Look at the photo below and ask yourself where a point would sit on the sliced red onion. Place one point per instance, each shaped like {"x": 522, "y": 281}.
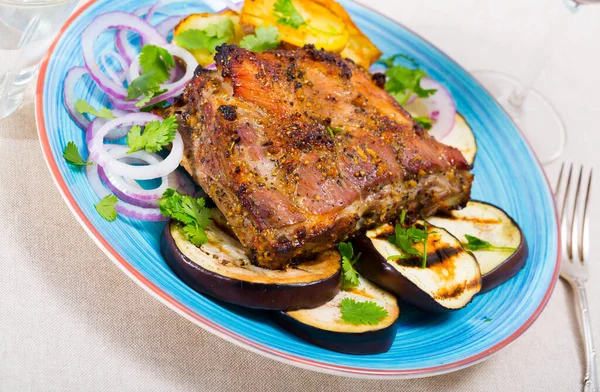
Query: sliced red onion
{"x": 165, "y": 27}
{"x": 98, "y": 122}
{"x": 116, "y": 76}
{"x": 99, "y": 154}
{"x": 73, "y": 75}
{"x": 135, "y": 194}
{"x": 173, "y": 88}
{"x": 441, "y": 107}
{"x": 118, "y": 20}
{"x": 125, "y": 48}
{"x": 123, "y": 208}
{"x": 211, "y": 67}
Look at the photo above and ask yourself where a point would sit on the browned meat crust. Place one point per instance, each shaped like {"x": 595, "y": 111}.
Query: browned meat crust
{"x": 258, "y": 139}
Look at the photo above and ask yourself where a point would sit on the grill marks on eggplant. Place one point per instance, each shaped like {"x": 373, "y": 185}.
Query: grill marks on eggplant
{"x": 274, "y": 169}
{"x": 450, "y": 281}
{"x": 491, "y": 224}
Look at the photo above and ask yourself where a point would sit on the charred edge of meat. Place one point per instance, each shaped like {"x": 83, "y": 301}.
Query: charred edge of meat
{"x": 328, "y": 57}
{"x": 379, "y": 79}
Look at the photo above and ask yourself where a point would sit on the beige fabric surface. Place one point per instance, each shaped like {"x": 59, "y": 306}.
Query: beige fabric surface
{"x": 72, "y": 321}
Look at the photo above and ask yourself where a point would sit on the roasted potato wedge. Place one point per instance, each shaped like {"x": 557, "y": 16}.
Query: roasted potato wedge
{"x": 322, "y": 26}
{"x": 359, "y": 48}
{"x": 203, "y": 20}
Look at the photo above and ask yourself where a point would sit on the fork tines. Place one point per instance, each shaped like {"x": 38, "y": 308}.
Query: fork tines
{"x": 574, "y": 235}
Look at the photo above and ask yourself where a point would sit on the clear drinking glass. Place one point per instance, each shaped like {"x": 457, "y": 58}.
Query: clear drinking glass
{"x": 533, "y": 113}
{"x": 27, "y": 28}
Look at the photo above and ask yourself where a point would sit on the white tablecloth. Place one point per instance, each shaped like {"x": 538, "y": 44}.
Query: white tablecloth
{"x": 71, "y": 321}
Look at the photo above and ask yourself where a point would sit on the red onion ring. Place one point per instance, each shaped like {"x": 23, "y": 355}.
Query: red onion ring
{"x": 116, "y": 76}
{"x": 99, "y": 154}
{"x": 441, "y": 107}
{"x": 73, "y": 75}
{"x": 123, "y": 208}
{"x": 98, "y": 122}
{"x": 135, "y": 194}
{"x": 165, "y": 27}
{"x": 103, "y": 22}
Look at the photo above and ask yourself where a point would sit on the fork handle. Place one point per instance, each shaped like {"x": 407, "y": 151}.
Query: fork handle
{"x": 590, "y": 382}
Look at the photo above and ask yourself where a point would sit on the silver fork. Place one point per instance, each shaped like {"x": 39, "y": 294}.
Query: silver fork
{"x": 573, "y": 268}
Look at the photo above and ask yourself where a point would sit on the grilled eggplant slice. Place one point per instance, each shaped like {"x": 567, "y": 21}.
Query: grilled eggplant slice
{"x": 221, "y": 269}
{"x": 324, "y": 326}
{"x": 449, "y": 281}
{"x": 491, "y": 224}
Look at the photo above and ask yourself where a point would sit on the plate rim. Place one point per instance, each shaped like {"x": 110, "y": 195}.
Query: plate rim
{"x": 223, "y": 332}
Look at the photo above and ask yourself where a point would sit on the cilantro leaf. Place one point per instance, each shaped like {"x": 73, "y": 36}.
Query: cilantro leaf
{"x": 423, "y": 121}
{"x": 287, "y": 14}
{"x": 223, "y": 29}
{"x": 350, "y": 276}
{"x": 212, "y": 36}
{"x": 156, "y": 135}
{"x": 83, "y": 107}
{"x": 72, "y": 156}
{"x": 107, "y": 207}
{"x": 403, "y": 82}
{"x": 357, "y": 313}
{"x": 473, "y": 243}
{"x": 389, "y": 62}
{"x": 264, "y": 38}
{"x": 156, "y": 59}
{"x": 156, "y": 63}
{"x": 190, "y": 211}
{"x": 405, "y": 239}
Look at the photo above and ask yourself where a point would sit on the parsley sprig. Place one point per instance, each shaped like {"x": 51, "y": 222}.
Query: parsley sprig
{"x": 156, "y": 63}
{"x": 350, "y": 276}
{"x": 264, "y": 38}
{"x": 473, "y": 243}
{"x": 423, "y": 121}
{"x": 107, "y": 207}
{"x": 287, "y": 14}
{"x": 156, "y": 135}
{"x": 367, "y": 312}
{"x": 403, "y": 82}
{"x": 208, "y": 38}
{"x": 83, "y": 107}
{"x": 190, "y": 211}
{"x": 406, "y": 238}
{"x": 72, "y": 156}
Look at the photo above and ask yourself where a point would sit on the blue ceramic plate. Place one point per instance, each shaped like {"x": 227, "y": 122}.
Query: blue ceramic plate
{"x": 506, "y": 174}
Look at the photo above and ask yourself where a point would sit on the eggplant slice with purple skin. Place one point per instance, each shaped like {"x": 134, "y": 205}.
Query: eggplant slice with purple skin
{"x": 449, "y": 281}
{"x": 491, "y": 224}
{"x": 324, "y": 326}
{"x": 221, "y": 269}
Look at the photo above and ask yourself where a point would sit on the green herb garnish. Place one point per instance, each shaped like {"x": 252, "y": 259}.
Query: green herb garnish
{"x": 107, "y": 207}
{"x": 405, "y": 239}
{"x": 333, "y": 130}
{"x": 425, "y": 122}
{"x": 83, "y": 107}
{"x": 350, "y": 276}
{"x": 474, "y": 243}
{"x": 190, "y": 211}
{"x": 156, "y": 63}
{"x": 156, "y": 135}
{"x": 287, "y": 14}
{"x": 72, "y": 156}
{"x": 357, "y": 313}
{"x": 264, "y": 38}
{"x": 403, "y": 82}
{"x": 209, "y": 38}
{"x": 389, "y": 62}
